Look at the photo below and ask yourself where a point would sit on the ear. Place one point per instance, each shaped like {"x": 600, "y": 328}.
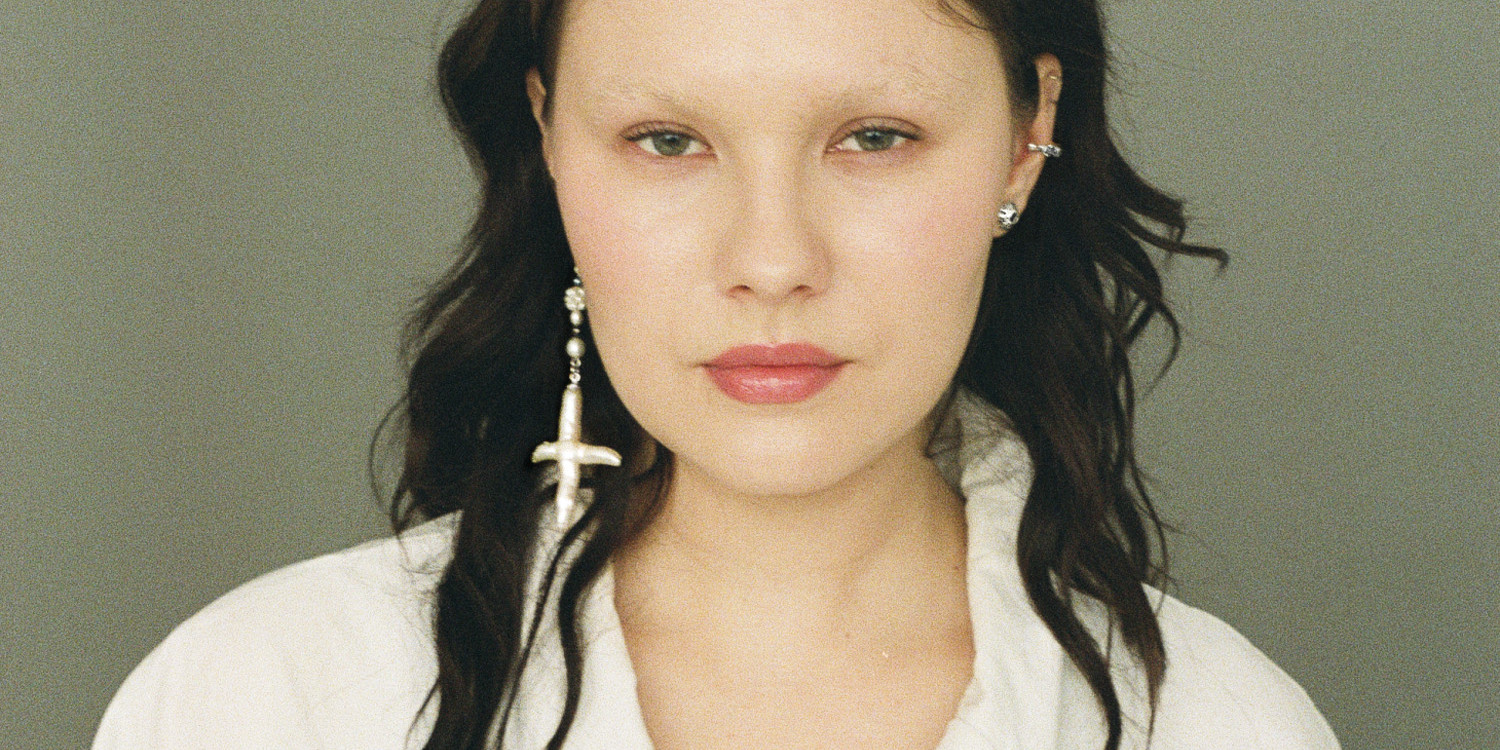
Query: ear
{"x": 1026, "y": 165}
{"x": 537, "y": 93}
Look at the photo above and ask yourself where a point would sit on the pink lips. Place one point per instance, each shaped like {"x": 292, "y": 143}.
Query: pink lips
{"x": 773, "y": 374}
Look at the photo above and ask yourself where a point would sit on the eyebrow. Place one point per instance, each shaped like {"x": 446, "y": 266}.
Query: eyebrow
{"x": 914, "y": 83}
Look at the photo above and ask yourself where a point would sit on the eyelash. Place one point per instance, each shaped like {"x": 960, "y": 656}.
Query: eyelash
{"x": 905, "y": 136}
{"x": 652, "y": 131}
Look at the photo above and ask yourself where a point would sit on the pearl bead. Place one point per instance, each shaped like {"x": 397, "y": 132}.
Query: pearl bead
{"x": 575, "y": 347}
{"x": 574, "y": 298}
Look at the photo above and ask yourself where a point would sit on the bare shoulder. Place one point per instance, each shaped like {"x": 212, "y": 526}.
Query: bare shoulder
{"x": 1223, "y": 692}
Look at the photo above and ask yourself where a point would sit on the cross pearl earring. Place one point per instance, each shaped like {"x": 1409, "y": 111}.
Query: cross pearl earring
{"x": 569, "y": 450}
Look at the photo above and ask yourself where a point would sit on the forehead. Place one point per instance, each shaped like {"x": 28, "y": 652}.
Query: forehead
{"x": 692, "y": 51}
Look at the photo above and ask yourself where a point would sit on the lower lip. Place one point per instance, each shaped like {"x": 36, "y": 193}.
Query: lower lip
{"x": 760, "y": 384}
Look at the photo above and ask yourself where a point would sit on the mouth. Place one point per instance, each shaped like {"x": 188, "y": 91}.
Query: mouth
{"x": 773, "y": 374}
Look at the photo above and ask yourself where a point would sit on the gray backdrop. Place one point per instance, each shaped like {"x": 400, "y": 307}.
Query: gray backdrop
{"x": 213, "y": 214}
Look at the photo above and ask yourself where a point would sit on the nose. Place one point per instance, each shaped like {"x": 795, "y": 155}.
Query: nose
{"x": 774, "y": 250}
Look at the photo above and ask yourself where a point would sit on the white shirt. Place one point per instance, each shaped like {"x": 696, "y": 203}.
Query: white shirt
{"x": 336, "y": 652}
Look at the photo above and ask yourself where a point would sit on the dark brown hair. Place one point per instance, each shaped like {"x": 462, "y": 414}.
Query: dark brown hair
{"x": 1068, "y": 292}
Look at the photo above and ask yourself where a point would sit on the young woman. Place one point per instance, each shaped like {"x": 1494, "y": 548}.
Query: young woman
{"x": 837, "y": 298}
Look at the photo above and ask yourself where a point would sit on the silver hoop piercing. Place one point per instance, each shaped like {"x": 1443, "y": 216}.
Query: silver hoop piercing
{"x": 1051, "y": 150}
{"x": 569, "y": 450}
{"x": 1009, "y": 216}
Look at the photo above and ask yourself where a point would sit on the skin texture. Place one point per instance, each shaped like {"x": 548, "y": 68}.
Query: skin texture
{"x": 734, "y": 172}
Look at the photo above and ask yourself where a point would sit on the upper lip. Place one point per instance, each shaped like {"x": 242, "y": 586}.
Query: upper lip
{"x": 775, "y": 355}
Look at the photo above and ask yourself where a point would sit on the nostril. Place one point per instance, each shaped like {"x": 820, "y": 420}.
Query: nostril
{"x": 741, "y": 292}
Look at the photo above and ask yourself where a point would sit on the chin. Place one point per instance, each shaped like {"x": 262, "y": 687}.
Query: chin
{"x": 773, "y": 479}
{"x": 781, "y": 465}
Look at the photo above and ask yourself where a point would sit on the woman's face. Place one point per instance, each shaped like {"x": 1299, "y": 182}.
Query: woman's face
{"x": 738, "y": 175}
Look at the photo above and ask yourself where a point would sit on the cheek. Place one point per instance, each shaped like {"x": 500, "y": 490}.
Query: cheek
{"x": 632, "y": 261}
{"x": 625, "y": 233}
{"x": 925, "y": 253}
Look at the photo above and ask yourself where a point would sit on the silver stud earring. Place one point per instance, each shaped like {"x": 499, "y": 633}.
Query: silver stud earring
{"x": 569, "y": 450}
{"x": 1050, "y": 150}
{"x": 1009, "y": 216}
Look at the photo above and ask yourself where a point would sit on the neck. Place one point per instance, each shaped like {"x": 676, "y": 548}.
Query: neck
{"x": 897, "y": 521}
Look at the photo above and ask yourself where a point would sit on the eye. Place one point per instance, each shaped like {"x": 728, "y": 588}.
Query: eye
{"x": 874, "y": 139}
{"x": 667, "y": 143}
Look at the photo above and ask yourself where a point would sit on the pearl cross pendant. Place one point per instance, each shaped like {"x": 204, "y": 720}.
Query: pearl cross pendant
{"x": 570, "y": 453}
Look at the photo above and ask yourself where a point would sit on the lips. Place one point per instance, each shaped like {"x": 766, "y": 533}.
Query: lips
{"x": 773, "y": 374}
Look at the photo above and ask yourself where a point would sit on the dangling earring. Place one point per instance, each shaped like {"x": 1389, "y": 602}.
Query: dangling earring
{"x": 569, "y": 451}
{"x": 1009, "y": 216}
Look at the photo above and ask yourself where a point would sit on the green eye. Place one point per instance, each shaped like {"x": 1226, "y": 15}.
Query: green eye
{"x": 666, "y": 143}
{"x": 876, "y": 140}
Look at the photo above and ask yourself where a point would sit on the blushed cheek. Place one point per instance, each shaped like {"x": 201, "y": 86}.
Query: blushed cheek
{"x": 938, "y": 240}
{"x": 619, "y": 253}
{"x": 621, "y": 224}
{"x": 633, "y": 275}
{"x": 934, "y": 280}
{"x": 598, "y": 225}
